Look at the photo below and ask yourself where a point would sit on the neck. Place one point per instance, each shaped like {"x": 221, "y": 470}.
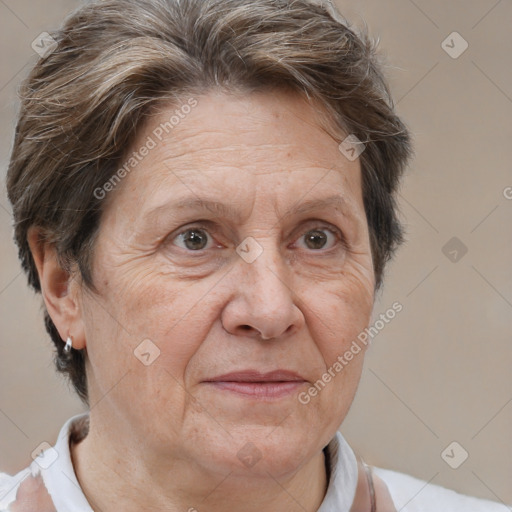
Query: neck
{"x": 115, "y": 473}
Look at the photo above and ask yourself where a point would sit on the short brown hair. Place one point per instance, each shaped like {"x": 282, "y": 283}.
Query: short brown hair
{"x": 115, "y": 60}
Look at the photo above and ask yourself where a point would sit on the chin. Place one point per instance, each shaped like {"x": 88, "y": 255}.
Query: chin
{"x": 257, "y": 451}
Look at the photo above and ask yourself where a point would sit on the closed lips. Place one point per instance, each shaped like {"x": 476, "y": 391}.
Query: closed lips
{"x": 255, "y": 385}
{"x": 258, "y": 377}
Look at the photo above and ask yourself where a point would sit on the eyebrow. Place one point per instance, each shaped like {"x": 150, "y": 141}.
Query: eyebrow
{"x": 228, "y": 211}
{"x": 336, "y": 202}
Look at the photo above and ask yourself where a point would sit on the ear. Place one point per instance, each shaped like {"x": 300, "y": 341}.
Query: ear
{"x": 59, "y": 288}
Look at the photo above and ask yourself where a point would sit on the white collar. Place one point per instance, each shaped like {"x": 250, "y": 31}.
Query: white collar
{"x": 341, "y": 490}
{"x": 60, "y": 478}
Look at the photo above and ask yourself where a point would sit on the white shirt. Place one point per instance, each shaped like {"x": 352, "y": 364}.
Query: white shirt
{"x": 409, "y": 494}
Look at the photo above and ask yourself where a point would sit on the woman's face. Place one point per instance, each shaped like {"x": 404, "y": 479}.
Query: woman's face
{"x": 237, "y": 245}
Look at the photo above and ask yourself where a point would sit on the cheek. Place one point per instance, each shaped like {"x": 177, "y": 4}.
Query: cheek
{"x": 341, "y": 314}
{"x": 339, "y": 320}
{"x": 348, "y": 300}
{"x": 344, "y": 316}
{"x": 340, "y": 327}
{"x": 141, "y": 304}
{"x": 145, "y": 316}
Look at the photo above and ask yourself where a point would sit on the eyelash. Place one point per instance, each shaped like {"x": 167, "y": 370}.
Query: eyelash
{"x": 340, "y": 238}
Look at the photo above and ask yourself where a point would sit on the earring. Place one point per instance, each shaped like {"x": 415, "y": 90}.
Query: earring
{"x": 68, "y": 346}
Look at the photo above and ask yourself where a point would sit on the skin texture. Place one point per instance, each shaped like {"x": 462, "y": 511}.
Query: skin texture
{"x": 160, "y": 436}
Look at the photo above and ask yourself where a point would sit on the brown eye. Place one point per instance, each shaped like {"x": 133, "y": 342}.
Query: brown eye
{"x": 193, "y": 239}
{"x": 316, "y": 239}
{"x": 320, "y": 238}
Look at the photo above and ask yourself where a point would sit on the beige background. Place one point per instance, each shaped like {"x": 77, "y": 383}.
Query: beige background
{"x": 440, "y": 371}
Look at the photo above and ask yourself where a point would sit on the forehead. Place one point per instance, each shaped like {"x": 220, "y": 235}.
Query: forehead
{"x": 236, "y": 146}
{"x": 281, "y": 123}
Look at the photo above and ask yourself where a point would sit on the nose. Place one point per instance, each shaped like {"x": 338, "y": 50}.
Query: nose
{"x": 263, "y": 303}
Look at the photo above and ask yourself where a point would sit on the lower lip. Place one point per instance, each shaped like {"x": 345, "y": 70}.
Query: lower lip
{"x": 261, "y": 390}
